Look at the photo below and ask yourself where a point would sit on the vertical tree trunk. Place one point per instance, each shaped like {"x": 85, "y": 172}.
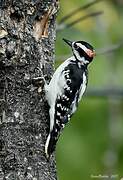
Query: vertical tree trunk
{"x": 27, "y": 34}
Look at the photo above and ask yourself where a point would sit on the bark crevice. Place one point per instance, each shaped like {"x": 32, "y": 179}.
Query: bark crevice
{"x": 23, "y": 108}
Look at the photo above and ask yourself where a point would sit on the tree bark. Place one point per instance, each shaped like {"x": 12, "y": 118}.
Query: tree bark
{"x": 27, "y": 35}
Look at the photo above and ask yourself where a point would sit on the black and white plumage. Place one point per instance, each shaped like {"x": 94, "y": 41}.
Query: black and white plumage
{"x": 66, "y": 89}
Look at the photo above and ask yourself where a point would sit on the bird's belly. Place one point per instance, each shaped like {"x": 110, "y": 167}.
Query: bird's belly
{"x": 55, "y": 89}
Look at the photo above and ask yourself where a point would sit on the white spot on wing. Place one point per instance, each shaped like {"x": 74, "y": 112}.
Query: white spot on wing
{"x": 68, "y": 88}
{"x": 57, "y": 121}
{"x": 58, "y": 105}
{"x": 58, "y": 114}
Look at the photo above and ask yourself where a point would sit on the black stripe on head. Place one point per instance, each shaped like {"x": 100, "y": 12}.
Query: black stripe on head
{"x": 87, "y": 45}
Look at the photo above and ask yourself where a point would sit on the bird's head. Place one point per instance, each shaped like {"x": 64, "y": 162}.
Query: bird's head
{"x": 82, "y": 51}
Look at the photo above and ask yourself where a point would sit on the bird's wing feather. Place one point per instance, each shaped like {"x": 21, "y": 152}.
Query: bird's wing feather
{"x": 73, "y": 90}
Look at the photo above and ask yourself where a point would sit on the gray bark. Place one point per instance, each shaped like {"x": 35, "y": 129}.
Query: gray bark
{"x": 27, "y": 35}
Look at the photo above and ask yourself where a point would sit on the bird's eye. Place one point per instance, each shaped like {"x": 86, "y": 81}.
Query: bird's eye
{"x": 75, "y": 46}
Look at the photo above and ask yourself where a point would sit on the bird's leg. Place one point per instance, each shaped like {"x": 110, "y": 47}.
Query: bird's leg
{"x": 40, "y": 81}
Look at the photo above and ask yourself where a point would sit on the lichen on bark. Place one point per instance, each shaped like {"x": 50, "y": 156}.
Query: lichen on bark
{"x": 27, "y": 36}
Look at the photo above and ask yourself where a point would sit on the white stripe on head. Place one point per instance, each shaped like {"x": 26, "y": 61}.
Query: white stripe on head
{"x": 82, "y": 46}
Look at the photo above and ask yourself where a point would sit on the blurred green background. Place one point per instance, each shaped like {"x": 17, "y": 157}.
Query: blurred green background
{"x": 91, "y": 145}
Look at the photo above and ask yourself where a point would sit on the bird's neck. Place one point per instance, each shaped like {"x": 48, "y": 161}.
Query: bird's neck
{"x": 81, "y": 63}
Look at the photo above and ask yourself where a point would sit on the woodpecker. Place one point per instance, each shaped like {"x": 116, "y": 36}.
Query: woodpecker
{"x": 65, "y": 90}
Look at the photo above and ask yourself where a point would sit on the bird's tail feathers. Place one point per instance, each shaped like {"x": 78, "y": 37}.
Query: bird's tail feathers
{"x": 46, "y": 146}
{"x": 50, "y": 144}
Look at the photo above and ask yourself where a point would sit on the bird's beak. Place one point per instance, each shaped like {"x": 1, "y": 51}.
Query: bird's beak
{"x": 90, "y": 53}
{"x": 68, "y": 42}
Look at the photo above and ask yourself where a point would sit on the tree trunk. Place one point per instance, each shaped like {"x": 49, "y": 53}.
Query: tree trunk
{"x": 27, "y": 34}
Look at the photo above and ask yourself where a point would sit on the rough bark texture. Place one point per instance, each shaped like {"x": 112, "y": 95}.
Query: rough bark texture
{"x": 27, "y": 34}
